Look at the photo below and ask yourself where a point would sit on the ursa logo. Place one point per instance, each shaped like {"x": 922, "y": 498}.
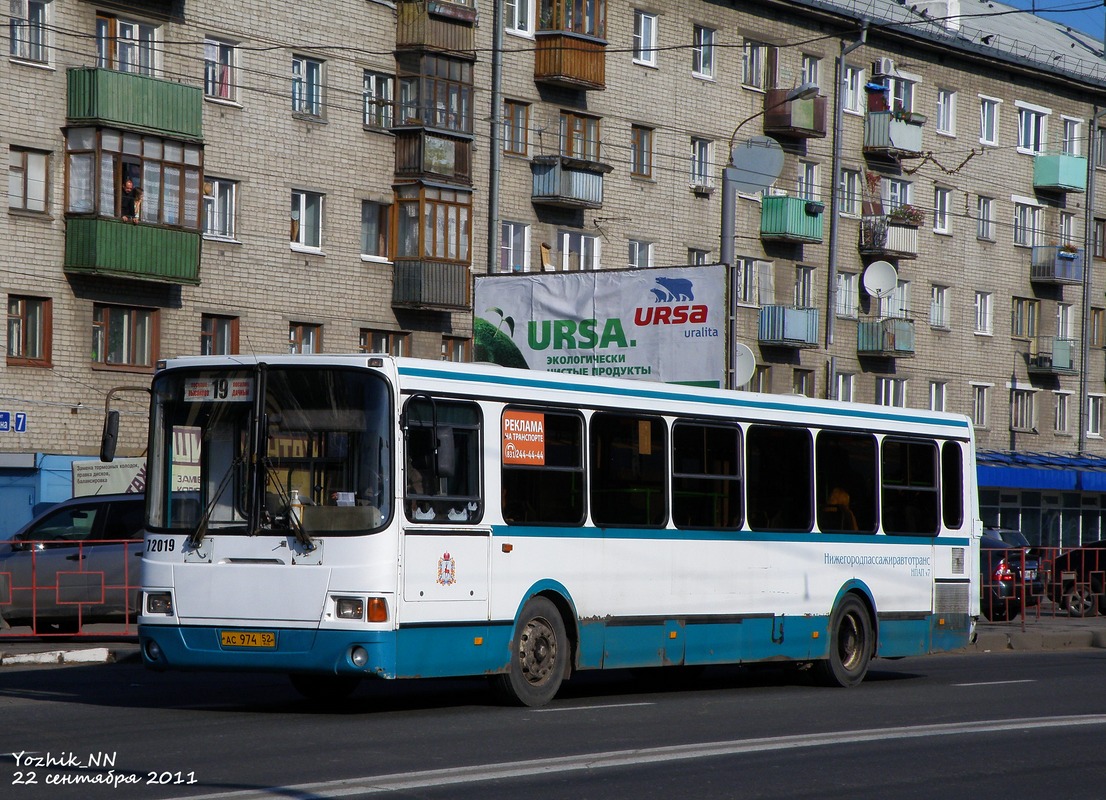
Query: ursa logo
{"x": 677, "y": 296}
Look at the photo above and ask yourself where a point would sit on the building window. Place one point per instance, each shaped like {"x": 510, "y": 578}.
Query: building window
{"x": 579, "y": 251}
{"x": 514, "y": 247}
{"x": 983, "y": 313}
{"x": 761, "y": 381}
{"x": 1073, "y": 136}
{"x": 434, "y": 223}
{"x": 946, "y": 112}
{"x": 125, "y": 45}
{"x": 28, "y": 26}
{"x": 811, "y": 66}
{"x": 939, "y": 316}
{"x": 641, "y": 254}
{"x": 804, "y": 287}
{"x": 1063, "y": 320}
{"x": 1098, "y": 327}
{"x": 754, "y": 56}
{"x": 219, "y": 202}
{"x": 1063, "y": 413}
{"x": 518, "y": 17}
{"x": 307, "y": 86}
{"x": 1094, "y": 415}
{"x": 752, "y": 282}
{"x": 435, "y": 91}
{"x": 848, "y": 286}
{"x": 937, "y": 394}
{"x": 1068, "y": 235}
{"x": 902, "y": 94}
{"x": 30, "y": 328}
{"x": 1027, "y": 224}
{"x": 897, "y": 303}
{"x": 124, "y": 336}
{"x": 845, "y": 383}
{"x": 891, "y": 392}
{"x": 852, "y": 99}
{"x": 802, "y": 382}
{"x": 979, "y": 405}
{"x": 166, "y": 173}
{"x": 27, "y": 171}
{"x": 1031, "y": 130}
{"x": 702, "y": 174}
{"x": 1023, "y": 317}
{"x": 516, "y": 127}
{"x": 1022, "y": 409}
{"x": 698, "y": 257}
{"x": 304, "y": 338}
{"x": 806, "y": 186}
{"x": 850, "y": 192}
{"x": 985, "y": 227}
{"x": 374, "y": 230}
{"x": 942, "y": 210}
{"x": 307, "y": 220}
{"x": 220, "y": 80}
{"x": 645, "y": 38}
{"x": 641, "y": 151}
{"x": 456, "y": 349}
{"x": 1099, "y": 243}
{"x": 589, "y": 19}
{"x": 394, "y": 343}
{"x": 702, "y": 52}
{"x": 579, "y": 136}
{"x": 1100, "y": 148}
{"x": 988, "y": 120}
{"x": 376, "y": 99}
{"x": 218, "y": 335}
{"x": 896, "y": 193}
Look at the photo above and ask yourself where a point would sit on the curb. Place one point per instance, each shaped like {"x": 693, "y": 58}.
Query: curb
{"x": 89, "y": 655}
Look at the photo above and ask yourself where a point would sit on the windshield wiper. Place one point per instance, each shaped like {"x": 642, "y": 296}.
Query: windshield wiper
{"x": 197, "y": 536}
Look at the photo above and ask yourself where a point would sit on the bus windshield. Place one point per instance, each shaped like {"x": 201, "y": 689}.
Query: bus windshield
{"x": 285, "y": 449}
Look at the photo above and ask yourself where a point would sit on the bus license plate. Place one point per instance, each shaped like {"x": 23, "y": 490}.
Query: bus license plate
{"x": 247, "y": 638}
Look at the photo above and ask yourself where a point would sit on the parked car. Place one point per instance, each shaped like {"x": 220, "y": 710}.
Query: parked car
{"x": 1079, "y": 579}
{"x": 75, "y": 563}
{"x": 1011, "y": 574}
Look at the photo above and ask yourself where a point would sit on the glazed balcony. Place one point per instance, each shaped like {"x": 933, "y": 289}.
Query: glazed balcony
{"x": 100, "y": 246}
{"x": 420, "y": 153}
{"x": 133, "y": 102}
{"x": 791, "y": 219}
{"x": 884, "y": 236}
{"x": 1050, "y": 355}
{"x": 893, "y": 134}
{"x": 796, "y": 119}
{"x": 436, "y": 25}
{"x": 431, "y": 285}
{"x": 566, "y": 182}
{"x": 1057, "y": 265}
{"x": 1060, "y": 172}
{"x": 571, "y": 60}
{"x": 889, "y": 337}
{"x": 787, "y": 326}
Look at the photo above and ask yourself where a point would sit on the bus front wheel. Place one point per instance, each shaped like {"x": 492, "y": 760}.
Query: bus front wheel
{"x": 851, "y": 645}
{"x": 539, "y": 656}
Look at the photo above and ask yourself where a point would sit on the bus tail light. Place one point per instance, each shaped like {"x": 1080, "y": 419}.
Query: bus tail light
{"x": 378, "y": 610}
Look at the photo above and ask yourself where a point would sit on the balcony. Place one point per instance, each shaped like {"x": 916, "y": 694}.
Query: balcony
{"x": 884, "y": 236}
{"x": 1049, "y": 355}
{"x": 787, "y": 326}
{"x": 570, "y": 60}
{"x": 1056, "y": 265}
{"x": 98, "y": 246}
{"x": 422, "y": 154}
{"x": 891, "y": 337}
{"x": 436, "y": 25}
{"x": 791, "y": 219}
{"x": 1060, "y": 172}
{"x": 797, "y": 119}
{"x": 134, "y": 102}
{"x": 566, "y": 182}
{"x": 431, "y": 285}
{"x": 893, "y": 134}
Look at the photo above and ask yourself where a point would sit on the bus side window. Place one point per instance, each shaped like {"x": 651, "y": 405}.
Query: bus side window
{"x": 952, "y": 485}
{"x": 910, "y": 497}
{"x": 846, "y": 481}
{"x": 779, "y": 478}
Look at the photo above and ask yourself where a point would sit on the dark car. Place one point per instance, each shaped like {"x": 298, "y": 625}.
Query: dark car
{"x": 1011, "y": 575}
{"x": 1079, "y": 579}
{"x": 77, "y": 562}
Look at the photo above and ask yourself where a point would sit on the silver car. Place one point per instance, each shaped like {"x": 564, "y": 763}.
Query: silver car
{"x": 77, "y": 562}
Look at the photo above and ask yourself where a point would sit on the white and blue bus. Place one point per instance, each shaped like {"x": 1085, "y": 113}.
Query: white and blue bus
{"x": 347, "y": 517}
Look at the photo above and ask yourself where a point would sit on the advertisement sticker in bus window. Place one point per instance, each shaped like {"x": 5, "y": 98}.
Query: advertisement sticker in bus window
{"x": 186, "y": 459}
{"x": 523, "y": 438}
{"x": 218, "y": 390}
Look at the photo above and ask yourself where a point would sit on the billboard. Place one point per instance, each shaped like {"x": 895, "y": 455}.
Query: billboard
{"x": 665, "y": 324}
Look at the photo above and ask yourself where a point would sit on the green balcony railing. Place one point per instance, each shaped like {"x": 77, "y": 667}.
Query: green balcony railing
{"x": 791, "y": 219}
{"x": 885, "y": 337}
{"x": 97, "y": 246}
{"x": 134, "y": 102}
{"x": 1060, "y": 172}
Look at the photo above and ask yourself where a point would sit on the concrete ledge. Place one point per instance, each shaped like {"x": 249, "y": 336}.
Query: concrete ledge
{"x": 91, "y": 655}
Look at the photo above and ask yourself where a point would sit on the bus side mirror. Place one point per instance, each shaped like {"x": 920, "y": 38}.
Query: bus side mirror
{"x": 110, "y": 436}
{"x": 445, "y": 455}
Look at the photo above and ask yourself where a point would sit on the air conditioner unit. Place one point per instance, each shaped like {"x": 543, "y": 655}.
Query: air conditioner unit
{"x": 883, "y": 66}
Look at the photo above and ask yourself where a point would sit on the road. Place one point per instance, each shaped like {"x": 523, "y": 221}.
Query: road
{"x": 1016, "y": 724}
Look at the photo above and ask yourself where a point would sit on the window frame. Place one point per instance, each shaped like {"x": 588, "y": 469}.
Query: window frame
{"x": 702, "y": 52}
{"x": 220, "y": 70}
{"x": 940, "y": 316}
{"x": 579, "y": 135}
{"x": 518, "y": 17}
{"x": 140, "y": 323}
{"x": 381, "y": 250}
{"x": 40, "y": 330}
{"x": 984, "y": 313}
{"x": 514, "y": 246}
{"x": 1032, "y": 128}
{"x": 1023, "y": 410}
{"x": 419, "y": 207}
{"x": 376, "y": 340}
{"x": 301, "y": 334}
{"x": 645, "y": 38}
{"x": 700, "y": 163}
{"x": 377, "y": 99}
{"x": 25, "y": 173}
{"x": 308, "y": 78}
{"x": 300, "y": 231}
{"x": 989, "y": 119}
{"x": 218, "y": 334}
{"x": 516, "y": 127}
{"x": 641, "y": 151}
{"x": 110, "y": 40}
{"x": 29, "y": 37}
{"x": 586, "y": 247}
{"x": 942, "y": 210}
{"x": 985, "y": 218}
{"x": 945, "y": 124}
{"x": 219, "y": 203}
{"x": 639, "y": 251}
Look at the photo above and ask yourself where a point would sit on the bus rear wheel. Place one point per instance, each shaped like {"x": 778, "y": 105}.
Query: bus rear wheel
{"x": 539, "y": 656}
{"x": 851, "y": 645}
{"x": 324, "y": 688}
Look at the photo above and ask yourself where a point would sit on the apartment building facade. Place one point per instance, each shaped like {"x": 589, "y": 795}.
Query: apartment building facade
{"x": 325, "y": 181}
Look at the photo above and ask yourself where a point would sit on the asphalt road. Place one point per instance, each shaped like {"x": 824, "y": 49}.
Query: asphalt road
{"x": 1012, "y": 724}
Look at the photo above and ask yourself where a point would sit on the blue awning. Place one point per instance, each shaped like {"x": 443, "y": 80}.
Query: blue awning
{"x": 1028, "y": 470}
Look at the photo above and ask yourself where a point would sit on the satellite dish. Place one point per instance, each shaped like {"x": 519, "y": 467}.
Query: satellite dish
{"x": 757, "y": 162}
{"x": 880, "y": 279}
{"x": 744, "y": 364}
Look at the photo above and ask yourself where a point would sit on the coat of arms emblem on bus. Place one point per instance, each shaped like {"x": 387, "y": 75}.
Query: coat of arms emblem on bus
{"x": 447, "y": 570}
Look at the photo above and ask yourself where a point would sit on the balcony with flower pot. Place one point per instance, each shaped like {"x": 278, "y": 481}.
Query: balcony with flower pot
{"x": 893, "y": 235}
{"x": 1056, "y": 264}
{"x": 791, "y": 219}
{"x": 893, "y": 133}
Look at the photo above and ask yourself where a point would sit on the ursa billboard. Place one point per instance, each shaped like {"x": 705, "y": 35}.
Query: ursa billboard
{"x": 664, "y": 324}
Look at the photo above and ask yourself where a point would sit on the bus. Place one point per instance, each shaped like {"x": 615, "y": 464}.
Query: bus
{"x": 343, "y": 517}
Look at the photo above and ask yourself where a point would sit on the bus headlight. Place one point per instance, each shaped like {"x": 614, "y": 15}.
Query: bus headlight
{"x": 159, "y": 603}
{"x": 349, "y": 607}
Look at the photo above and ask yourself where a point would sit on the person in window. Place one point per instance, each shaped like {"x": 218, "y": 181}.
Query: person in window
{"x": 838, "y": 505}
{"x": 130, "y": 205}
